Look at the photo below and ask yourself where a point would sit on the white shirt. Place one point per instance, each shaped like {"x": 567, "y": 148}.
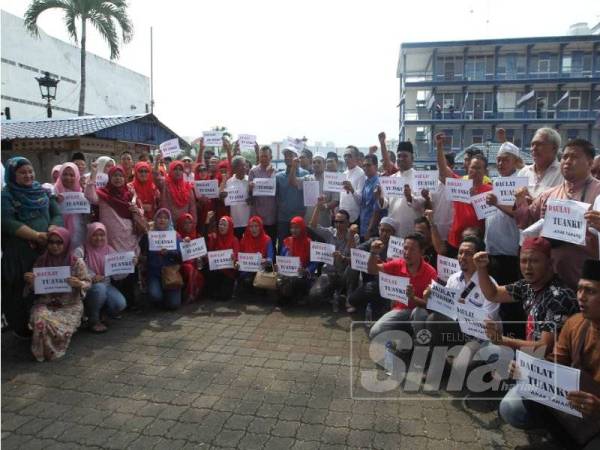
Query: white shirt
{"x": 351, "y": 202}
{"x": 189, "y": 177}
{"x": 240, "y": 212}
{"x": 475, "y": 297}
{"x": 443, "y": 212}
{"x": 400, "y": 210}
{"x": 552, "y": 177}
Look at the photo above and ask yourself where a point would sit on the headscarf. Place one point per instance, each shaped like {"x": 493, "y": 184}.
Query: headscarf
{"x": 179, "y": 189}
{"x": 223, "y": 165}
{"x": 94, "y": 256}
{"x": 65, "y": 258}
{"x": 165, "y": 210}
{"x": 226, "y": 241}
{"x": 538, "y": 244}
{"x": 30, "y": 199}
{"x": 59, "y": 188}
{"x": 119, "y": 198}
{"x": 144, "y": 191}
{"x": 299, "y": 246}
{"x": 102, "y": 161}
{"x": 56, "y": 169}
{"x": 251, "y": 244}
{"x": 180, "y": 223}
{"x": 198, "y": 174}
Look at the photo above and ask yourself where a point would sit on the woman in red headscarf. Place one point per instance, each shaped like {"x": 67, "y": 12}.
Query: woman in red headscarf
{"x": 255, "y": 240}
{"x": 146, "y": 191}
{"x": 190, "y": 270}
{"x": 222, "y": 280}
{"x": 176, "y": 194}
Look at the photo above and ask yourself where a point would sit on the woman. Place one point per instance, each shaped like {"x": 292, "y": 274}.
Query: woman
{"x": 68, "y": 181}
{"x": 193, "y": 280}
{"x": 105, "y": 163}
{"x": 28, "y": 213}
{"x": 222, "y": 281}
{"x": 176, "y": 194}
{"x": 102, "y": 295}
{"x": 54, "y": 174}
{"x": 203, "y": 203}
{"x": 143, "y": 184}
{"x": 255, "y": 240}
{"x": 55, "y": 317}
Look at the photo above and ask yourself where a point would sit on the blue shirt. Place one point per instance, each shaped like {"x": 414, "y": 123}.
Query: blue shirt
{"x": 290, "y": 199}
{"x": 368, "y": 204}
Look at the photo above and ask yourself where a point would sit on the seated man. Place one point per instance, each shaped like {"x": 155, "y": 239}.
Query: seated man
{"x": 578, "y": 346}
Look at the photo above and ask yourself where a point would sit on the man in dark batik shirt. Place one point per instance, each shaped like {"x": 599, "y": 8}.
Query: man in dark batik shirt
{"x": 546, "y": 300}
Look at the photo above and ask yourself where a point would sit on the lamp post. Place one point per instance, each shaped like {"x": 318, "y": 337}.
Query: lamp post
{"x": 48, "y": 90}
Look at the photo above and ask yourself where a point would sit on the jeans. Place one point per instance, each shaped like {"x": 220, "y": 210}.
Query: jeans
{"x": 518, "y": 412}
{"x": 168, "y": 298}
{"x": 387, "y": 321}
{"x": 103, "y": 295}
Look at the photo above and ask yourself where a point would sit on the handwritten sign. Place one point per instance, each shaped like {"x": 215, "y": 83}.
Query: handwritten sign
{"x": 249, "y": 262}
{"x": 395, "y": 247}
{"x": 120, "y": 263}
{"x": 392, "y": 186}
{"x": 359, "y": 260}
{"x": 193, "y": 249}
{"x": 213, "y": 138}
{"x": 482, "y": 209}
{"x": 564, "y": 221}
{"x": 311, "y": 192}
{"x": 207, "y": 188}
{"x": 459, "y": 189}
{"x": 443, "y": 300}
{"x": 51, "y": 280}
{"x": 546, "y": 382}
{"x": 505, "y": 188}
{"x": 170, "y": 148}
{"x": 393, "y": 287}
{"x": 236, "y": 193}
{"x": 446, "y": 267}
{"x": 321, "y": 252}
{"x": 333, "y": 181}
{"x": 264, "y": 187}
{"x": 425, "y": 179}
{"x": 288, "y": 266}
{"x": 158, "y": 240}
{"x": 471, "y": 320}
{"x": 220, "y": 259}
{"x": 101, "y": 180}
{"x": 246, "y": 141}
{"x": 74, "y": 203}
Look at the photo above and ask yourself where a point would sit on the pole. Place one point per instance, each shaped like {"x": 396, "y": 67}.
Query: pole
{"x": 151, "y": 73}
{"x": 49, "y": 109}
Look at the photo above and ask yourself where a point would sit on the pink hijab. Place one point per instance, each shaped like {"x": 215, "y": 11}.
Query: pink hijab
{"x": 65, "y": 258}
{"x": 94, "y": 256}
{"x": 59, "y": 188}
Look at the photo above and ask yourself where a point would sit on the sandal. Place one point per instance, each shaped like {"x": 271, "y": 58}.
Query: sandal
{"x": 98, "y": 328}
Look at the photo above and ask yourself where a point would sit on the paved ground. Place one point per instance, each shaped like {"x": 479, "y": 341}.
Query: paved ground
{"x": 226, "y": 376}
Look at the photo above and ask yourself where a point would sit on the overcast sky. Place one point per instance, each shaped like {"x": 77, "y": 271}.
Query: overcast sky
{"x": 325, "y": 69}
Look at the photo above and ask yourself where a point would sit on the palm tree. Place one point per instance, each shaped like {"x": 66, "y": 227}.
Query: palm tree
{"x": 102, "y": 14}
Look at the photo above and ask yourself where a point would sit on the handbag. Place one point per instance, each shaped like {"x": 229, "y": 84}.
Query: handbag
{"x": 265, "y": 280}
{"x": 171, "y": 277}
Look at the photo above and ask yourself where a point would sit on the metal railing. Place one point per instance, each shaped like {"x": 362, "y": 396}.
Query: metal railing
{"x": 424, "y": 114}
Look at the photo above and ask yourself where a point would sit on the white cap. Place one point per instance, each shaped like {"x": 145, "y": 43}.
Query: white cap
{"x": 509, "y": 147}
{"x": 289, "y": 148}
{"x": 320, "y": 155}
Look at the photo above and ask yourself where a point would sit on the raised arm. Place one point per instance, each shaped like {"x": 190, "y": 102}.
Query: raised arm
{"x": 200, "y": 157}
{"x": 227, "y": 146}
{"x": 496, "y": 294}
{"x": 444, "y": 170}
{"x": 439, "y": 244}
{"x": 385, "y": 156}
{"x": 292, "y": 178}
{"x": 374, "y": 265}
{"x": 90, "y": 187}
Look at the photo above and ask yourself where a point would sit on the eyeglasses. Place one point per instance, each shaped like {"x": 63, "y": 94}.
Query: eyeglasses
{"x": 348, "y": 155}
{"x": 339, "y": 221}
{"x": 143, "y": 171}
{"x": 55, "y": 242}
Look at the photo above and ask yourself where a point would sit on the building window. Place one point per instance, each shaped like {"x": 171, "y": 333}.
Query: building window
{"x": 574, "y": 100}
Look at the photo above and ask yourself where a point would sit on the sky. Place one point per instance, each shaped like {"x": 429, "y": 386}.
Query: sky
{"x": 324, "y": 69}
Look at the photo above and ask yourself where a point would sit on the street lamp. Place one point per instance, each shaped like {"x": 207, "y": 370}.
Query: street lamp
{"x": 48, "y": 90}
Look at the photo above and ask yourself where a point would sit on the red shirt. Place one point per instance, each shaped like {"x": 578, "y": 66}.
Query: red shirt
{"x": 419, "y": 281}
{"x": 465, "y": 217}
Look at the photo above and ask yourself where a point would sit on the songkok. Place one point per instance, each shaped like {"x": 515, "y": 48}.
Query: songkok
{"x": 405, "y": 146}
{"x": 539, "y": 244}
{"x": 509, "y": 147}
{"x": 591, "y": 270}
{"x": 389, "y": 221}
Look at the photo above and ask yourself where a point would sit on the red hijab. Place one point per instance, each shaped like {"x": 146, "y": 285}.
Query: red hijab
{"x": 223, "y": 165}
{"x": 180, "y": 223}
{"x": 299, "y": 246}
{"x": 251, "y": 244}
{"x": 145, "y": 191}
{"x": 119, "y": 198}
{"x": 179, "y": 189}
{"x": 225, "y": 241}
{"x": 198, "y": 175}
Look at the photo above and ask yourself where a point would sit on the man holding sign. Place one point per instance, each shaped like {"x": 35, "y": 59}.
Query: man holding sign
{"x": 265, "y": 207}
{"x": 351, "y": 195}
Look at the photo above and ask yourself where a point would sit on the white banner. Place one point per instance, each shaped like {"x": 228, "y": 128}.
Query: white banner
{"x": 523, "y": 99}
{"x": 213, "y": 138}
{"x": 393, "y": 287}
{"x": 482, "y": 209}
{"x": 443, "y": 300}
{"x": 311, "y": 191}
{"x": 392, "y": 186}
{"x": 564, "y": 221}
{"x": 220, "y": 259}
{"x": 120, "y": 263}
{"x": 471, "y": 320}
{"x": 333, "y": 181}
{"x": 193, "y": 249}
{"x": 170, "y": 148}
{"x": 74, "y": 203}
{"x": 546, "y": 382}
{"x": 264, "y": 187}
{"x": 446, "y": 267}
{"x": 425, "y": 179}
{"x": 288, "y": 266}
{"x": 395, "y": 248}
{"x": 359, "y": 260}
{"x": 321, "y": 252}
{"x": 51, "y": 280}
{"x": 207, "y": 188}
{"x": 158, "y": 240}
{"x": 246, "y": 141}
{"x": 101, "y": 180}
{"x": 460, "y": 190}
{"x": 505, "y": 188}
{"x": 236, "y": 193}
{"x": 249, "y": 262}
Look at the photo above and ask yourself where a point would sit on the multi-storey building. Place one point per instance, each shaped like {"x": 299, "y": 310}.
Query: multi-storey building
{"x": 469, "y": 89}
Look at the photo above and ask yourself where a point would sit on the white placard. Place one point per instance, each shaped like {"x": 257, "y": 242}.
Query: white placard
{"x": 459, "y": 189}
{"x": 395, "y": 247}
{"x": 212, "y": 138}
{"x": 359, "y": 260}
{"x": 170, "y": 148}
{"x": 446, "y": 267}
{"x": 220, "y": 259}
{"x": 564, "y": 221}
{"x": 392, "y": 186}
{"x": 311, "y": 191}
{"x": 249, "y": 262}
{"x": 333, "y": 182}
{"x": 207, "y": 188}
{"x": 298, "y": 144}
{"x": 158, "y": 240}
{"x": 237, "y": 193}
{"x": 120, "y": 263}
{"x": 482, "y": 209}
{"x": 74, "y": 203}
{"x": 471, "y": 320}
{"x": 443, "y": 300}
{"x": 51, "y": 280}
{"x": 288, "y": 266}
{"x": 505, "y": 188}
{"x": 193, "y": 249}
{"x": 393, "y": 287}
{"x": 264, "y": 187}
{"x": 321, "y": 252}
{"x": 425, "y": 179}
{"x": 546, "y": 382}
{"x": 101, "y": 180}
{"x": 246, "y": 141}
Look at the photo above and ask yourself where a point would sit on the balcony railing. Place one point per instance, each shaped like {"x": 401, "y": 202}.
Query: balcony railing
{"x": 503, "y": 114}
{"x": 419, "y": 77}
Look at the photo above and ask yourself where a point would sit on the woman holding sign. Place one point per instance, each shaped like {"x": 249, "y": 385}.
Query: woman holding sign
{"x": 56, "y": 312}
{"x": 176, "y": 194}
{"x": 223, "y": 280}
{"x": 68, "y": 181}
{"x": 256, "y": 240}
{"x": 145, "y": 189}
{"x": 27, "y": 214}
{"x": 193, "y": 280}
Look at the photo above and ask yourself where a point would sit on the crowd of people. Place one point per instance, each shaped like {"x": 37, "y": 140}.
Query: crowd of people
{"x": 505, "y": 268}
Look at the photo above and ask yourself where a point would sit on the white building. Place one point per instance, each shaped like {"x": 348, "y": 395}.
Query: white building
{"x": 111, "y": 89}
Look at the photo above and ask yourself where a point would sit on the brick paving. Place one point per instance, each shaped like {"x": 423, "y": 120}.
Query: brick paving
{"x": 226, "y": 375}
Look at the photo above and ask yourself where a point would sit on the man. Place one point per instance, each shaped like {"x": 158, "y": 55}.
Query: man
{"x": 412, "y": 266}
{"x": 423, "y": 227}
{"x": 127, "y": 164}
{"x": 405, "y": 209}
{"x": 306, "y": 160}
{"x": 369, "y": 208}
{"x": 350, "y": 197}
{"x": 188, "y": 170}
{"x": 578, "y": 185}
{"x": 578, "y": 346}
{"x": 331, "y": 163}
{"x": 265, "y": 207}
{"x": 545, "y": 172}
{"x": 290, "y": 201}
{"x": 331, "y": 199}
{"x": 240, "y": 212}
{"x": 596, "y": 168}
